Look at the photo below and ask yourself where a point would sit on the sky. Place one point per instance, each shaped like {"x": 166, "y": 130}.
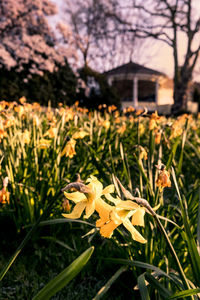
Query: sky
{"x": 158, "y": 55}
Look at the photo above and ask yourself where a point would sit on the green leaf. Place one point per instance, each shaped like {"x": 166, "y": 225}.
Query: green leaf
{"x": 180, "y": 163}
{"x": 52, "y": 239}
{"x": 106, "y": 287}
{"x": 142, "y": 287}
{"x": 168, "y": 220}
{"x": 139, "y": 264}
{"x": 98, "y": 164}
{"x": 64, "y": 220}
{"x": 185, "y": 293}
{"x": 65, "y": 276}
{"x": 158, "y": 286}
{"x": 172, "y": 154}
{"x": 192, "y": 246}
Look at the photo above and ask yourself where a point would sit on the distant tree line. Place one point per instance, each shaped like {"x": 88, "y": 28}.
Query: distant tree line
{"x": 61, "y": 85}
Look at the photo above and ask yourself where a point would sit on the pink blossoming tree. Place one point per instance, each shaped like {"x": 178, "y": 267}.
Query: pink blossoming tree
{"x": 27, "y": 39}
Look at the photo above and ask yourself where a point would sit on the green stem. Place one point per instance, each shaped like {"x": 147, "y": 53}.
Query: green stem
{"x": 173, "y": 252}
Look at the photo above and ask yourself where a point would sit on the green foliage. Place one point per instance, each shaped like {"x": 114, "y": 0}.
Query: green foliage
{"x": 101, "y": 93}
{"x": 59, "y": 86}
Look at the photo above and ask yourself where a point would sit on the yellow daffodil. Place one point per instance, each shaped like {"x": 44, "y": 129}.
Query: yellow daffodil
{"x": 22, "y": 100}
{"x": 36, "y": 120}
{"x": 51, "y": 132}
{"x": 3, "y": 105}
{"x": 69, "y": 115}
{"x": 131, "y": 119}
{"x": 69, "y": 150}
{"x": 154, "y": 118}
{"x": 3, "y": 134}
{"x": 122, "y": 129}
{"x": 9, "y": 121}
{"x": 117, "y": 120}
{"x": 44, "y": 144}
{"x": 105, "y": 124}
{"x": 20, "y": 110}
{"x": 176, "y": 131}
{"x": 142, "y": 128}
{"x": 79, "y": 134}
{"x": 143, "y": 153}
{"x": 87, "y": 198}
{"x": 113, "y": 216}
{"x": 4, "y": 194}
{"x": 26, "y": 137}
{"x": 111, "y": 108}
{"x": 116, "y": 114}
{"x": 139, "y": 112}
{"x": 36, "y": 106}
{"x": 128, "y": 109}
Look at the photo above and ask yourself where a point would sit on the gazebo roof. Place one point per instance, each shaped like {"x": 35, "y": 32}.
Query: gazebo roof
{"x": 133, "y": 68}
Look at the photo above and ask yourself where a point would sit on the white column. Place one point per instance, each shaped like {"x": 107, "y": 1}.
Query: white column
{"x": 135, "y": 92}
{"x": 157, "y": 87}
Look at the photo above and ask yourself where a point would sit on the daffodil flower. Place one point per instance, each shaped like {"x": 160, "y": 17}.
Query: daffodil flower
{"x": 88, "y": 199}
{"x": 113, "y": 216}
{"x": 44, "y": 143}
{"x": 79, "y": 134}
{"x": 69, "y": 150}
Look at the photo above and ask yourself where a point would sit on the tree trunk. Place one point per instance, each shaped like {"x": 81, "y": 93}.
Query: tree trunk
{"x": 180, "y": 100}
{"x": 181, "y": 93}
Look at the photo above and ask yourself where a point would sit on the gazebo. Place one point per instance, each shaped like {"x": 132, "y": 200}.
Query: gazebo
{"x": 141, "y": 87}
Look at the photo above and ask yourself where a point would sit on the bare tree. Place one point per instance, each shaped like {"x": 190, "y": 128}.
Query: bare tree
{"x": 174, "y": 22}
{"x": 98, "y": 28}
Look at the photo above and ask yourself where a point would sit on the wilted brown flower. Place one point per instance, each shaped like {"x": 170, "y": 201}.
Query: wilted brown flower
{"x": 66, "y": 206}
{"x": 158, "y": 134}
{"x": 163, "y": 179}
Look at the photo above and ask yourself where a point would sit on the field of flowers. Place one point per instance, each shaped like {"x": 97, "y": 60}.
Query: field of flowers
{"x": 117, "y": 193}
